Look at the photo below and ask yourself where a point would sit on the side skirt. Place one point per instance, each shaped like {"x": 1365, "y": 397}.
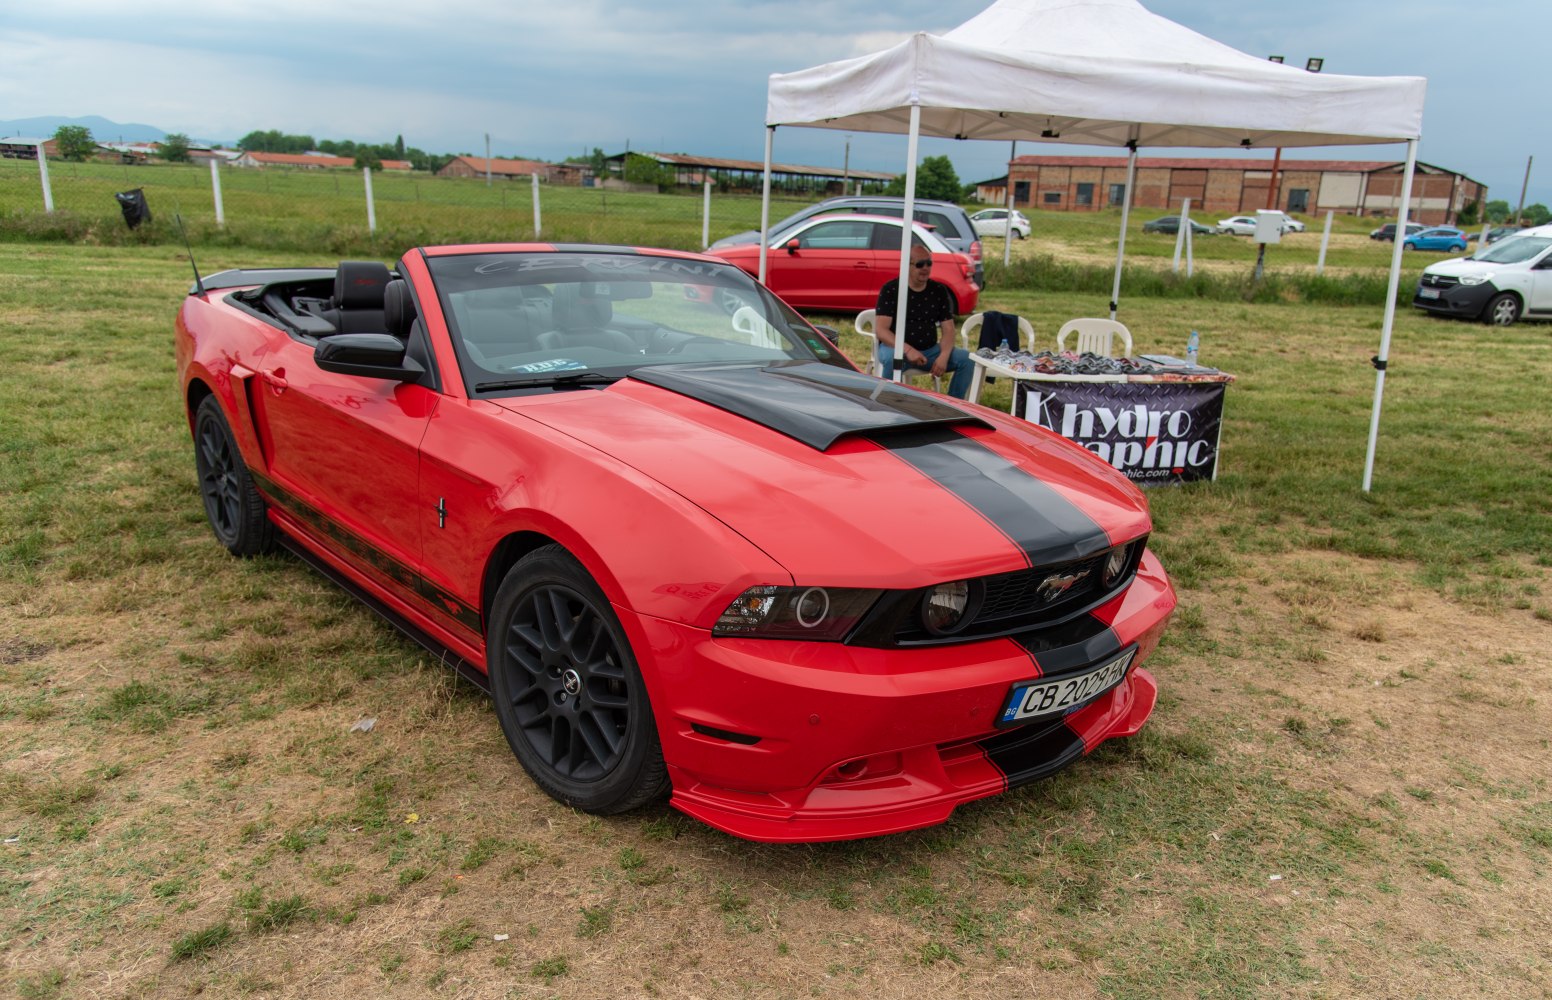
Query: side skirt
{"x": 446, "y": 657}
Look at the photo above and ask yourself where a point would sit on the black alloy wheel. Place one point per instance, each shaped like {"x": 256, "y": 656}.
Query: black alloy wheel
{"x": 1503, "y": 310}
{"x": 568, "y": 693}
{"x": 236, "y": 511}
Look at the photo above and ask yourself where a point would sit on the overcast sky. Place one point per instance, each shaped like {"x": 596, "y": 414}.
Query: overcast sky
{"x": 554, "y": 79}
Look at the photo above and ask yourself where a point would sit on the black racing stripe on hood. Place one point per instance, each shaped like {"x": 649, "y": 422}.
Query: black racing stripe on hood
{"x": 1046, "y": 526}
{"x": 814, "y": 403}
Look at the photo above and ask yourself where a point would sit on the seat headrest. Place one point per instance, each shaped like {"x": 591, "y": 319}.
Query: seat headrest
{"x": 398, "y": 307}
{"x": 359, "y": 284}
{"x": 581, "y": 306}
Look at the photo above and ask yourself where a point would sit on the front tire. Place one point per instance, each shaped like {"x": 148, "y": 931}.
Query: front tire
{"x": 568, "y": 693}
{"x": 1503, "y": 310}
{"x": 236, "y": 512}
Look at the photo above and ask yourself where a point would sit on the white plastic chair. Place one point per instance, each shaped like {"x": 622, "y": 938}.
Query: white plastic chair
{"x": 864, "y": 324}
{"x": 1026, "y": 331}
{"x": 1097, "y": 336}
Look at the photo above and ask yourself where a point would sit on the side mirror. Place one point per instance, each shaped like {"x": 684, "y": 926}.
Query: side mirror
{"x": 370, "y": 355}
{"x": 792, "y": 245}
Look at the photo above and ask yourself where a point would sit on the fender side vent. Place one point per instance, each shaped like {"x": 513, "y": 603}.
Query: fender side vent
{"x": 743, "y": 739}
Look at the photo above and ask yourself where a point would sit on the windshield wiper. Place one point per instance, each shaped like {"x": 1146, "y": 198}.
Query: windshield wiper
{"x": 549, "y": 381}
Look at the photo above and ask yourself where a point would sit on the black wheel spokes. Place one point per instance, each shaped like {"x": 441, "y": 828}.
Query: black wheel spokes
{"x": 568, "y": 690}
{"x": 218, "y": 479}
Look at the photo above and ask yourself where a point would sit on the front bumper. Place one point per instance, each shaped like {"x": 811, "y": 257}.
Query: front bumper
{"x": 1466, "y": 301}
{"x": 791, "y": 741}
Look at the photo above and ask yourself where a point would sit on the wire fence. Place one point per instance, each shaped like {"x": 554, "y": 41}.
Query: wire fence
{"x": 274, "y": 203}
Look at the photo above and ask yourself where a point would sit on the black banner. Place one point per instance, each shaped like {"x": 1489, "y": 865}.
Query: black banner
{"x": 1156, "y": 433}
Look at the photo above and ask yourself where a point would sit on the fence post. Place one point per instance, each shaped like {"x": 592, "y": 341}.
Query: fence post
{"x": 48, "y": 193}
{"x": 706, "y": 215}
{"x": 1325, "y": 239}
{"x": 215, "y": 186}
{"x": 1180, "y": 234}
{"x": 371, "y": 209}
{"x": 535, "y": 176}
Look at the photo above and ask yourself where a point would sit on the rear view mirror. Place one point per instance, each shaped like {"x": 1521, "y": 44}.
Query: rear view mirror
{"x": 792, "y": 245}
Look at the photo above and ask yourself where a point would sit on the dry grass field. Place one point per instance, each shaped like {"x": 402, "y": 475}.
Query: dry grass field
{"x": 1344, "y": 791}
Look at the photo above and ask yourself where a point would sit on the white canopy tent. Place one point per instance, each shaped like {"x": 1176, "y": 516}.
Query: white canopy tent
{"x": 1097, "y": 73}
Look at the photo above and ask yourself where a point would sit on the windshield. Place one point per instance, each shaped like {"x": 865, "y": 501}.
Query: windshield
{"x": 542, "y": 319}
{"x": 1513, "y": 249}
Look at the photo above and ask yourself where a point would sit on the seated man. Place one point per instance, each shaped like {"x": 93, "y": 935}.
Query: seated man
{"x": 929, "y": 320}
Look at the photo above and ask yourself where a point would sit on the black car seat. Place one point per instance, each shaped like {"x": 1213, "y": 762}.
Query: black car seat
{"x": 357, "y": 307}
{"x": 581, "y": 312}
{"x": 398, "y": 308}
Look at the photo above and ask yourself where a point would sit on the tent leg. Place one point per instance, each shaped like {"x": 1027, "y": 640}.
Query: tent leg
{"x": 1007, "y": 234}
{"x": 765, "y": 201}
{"x": 1126, "y": 211}
{"x": 1381, "y": 359}
{"x": 903, "y": 299}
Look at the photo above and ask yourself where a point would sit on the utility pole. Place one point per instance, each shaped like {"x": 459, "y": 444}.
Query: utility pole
{"x": 487, "y": 159}
{"x": 1311, "y": 65}
{"x": 1519, "y": 213}
{"x": 846, "y": 166}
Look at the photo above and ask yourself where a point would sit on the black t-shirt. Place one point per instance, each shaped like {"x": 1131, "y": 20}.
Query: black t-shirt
{"x": 925, "y": 310}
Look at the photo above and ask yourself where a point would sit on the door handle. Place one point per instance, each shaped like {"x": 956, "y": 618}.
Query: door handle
{"x": 276, "y": 379}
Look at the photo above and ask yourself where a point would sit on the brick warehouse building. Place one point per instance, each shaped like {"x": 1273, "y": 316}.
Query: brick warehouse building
{"x": 1233, "y": 186}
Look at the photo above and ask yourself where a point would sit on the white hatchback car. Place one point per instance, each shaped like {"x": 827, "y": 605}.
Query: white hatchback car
{"x": 994, "y": 222}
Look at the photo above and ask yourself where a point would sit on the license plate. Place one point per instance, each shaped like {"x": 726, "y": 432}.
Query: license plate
{"x": 1033, "y": 699}
{"x": 1427, "y": 293}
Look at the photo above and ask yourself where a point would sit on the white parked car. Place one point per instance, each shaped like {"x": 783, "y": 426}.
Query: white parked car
{"x": 1498, "y": 284}
{"x": 994, "y": 222}
{"x": 1240, "y": 225}
{"x": 1245, "y": 225}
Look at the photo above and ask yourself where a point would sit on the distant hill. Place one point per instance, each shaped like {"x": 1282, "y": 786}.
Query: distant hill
{"x": 103, "y": 129}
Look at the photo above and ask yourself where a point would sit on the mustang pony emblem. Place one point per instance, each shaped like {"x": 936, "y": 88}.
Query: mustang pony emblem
{"x": 1057, "y": 584}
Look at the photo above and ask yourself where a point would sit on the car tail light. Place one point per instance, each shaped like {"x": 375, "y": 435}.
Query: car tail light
{"x": 975, "y": 249}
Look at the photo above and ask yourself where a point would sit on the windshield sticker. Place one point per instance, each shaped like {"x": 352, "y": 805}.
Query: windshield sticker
{"x": 544, "y": 367}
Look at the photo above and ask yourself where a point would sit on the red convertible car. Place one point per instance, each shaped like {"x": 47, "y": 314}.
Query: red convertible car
{"x": 681, "y": 541}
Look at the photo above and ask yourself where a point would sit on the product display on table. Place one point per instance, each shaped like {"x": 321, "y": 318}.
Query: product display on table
{"x": 1088, "y": 363}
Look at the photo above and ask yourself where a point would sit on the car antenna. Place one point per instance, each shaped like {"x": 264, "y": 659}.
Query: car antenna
{"x": 199, "y": 286}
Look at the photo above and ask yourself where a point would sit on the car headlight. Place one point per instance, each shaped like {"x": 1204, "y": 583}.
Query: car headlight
{"x": 1474, "y": 279}
{"x": 823, "y": 614}
{"x": 946, "y": 608}
{"x": 1115, "y": 565}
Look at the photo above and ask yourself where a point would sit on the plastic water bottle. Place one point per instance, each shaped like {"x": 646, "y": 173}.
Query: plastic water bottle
{"x": 1192, "y": 346}
{"x": 1003, "y": 350}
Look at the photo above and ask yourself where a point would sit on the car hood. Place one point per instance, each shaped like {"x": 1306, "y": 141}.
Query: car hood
{"x": 848, "y": 480}
{"x": 1456, "y": 267}
{"x": 737, "y": 239}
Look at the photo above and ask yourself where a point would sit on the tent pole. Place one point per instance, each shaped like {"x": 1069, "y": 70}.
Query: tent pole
{"x": 903, "y": 299}
{"x": 1126, "y": 211}
{"x": 1382, "y": 358}
{"x": 1007, "y": 234}
{"x": 765, "y": 202}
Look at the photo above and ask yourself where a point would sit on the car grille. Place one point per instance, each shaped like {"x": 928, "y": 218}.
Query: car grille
{"x": 1028, "y": 599}
{"x": 1437, "y": 281}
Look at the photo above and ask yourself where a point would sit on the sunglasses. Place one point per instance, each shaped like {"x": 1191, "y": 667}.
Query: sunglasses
{"x": 921, "y": 263}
